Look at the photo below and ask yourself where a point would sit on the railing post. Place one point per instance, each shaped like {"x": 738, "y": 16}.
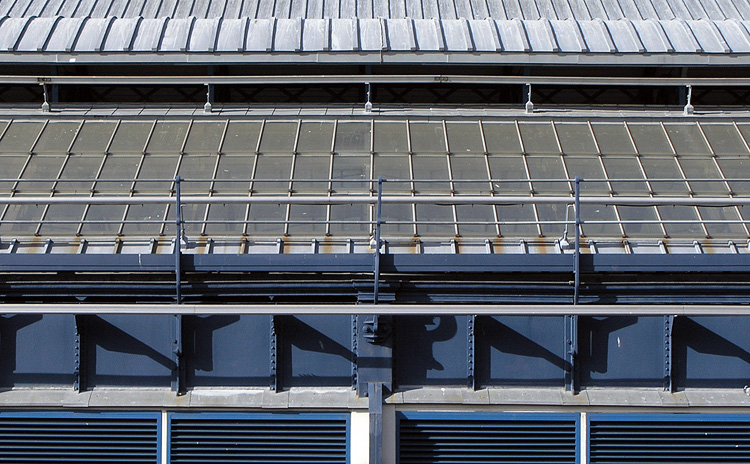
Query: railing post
{"x": 379, "y": 217}
{"x": 178, "y": 378}
{"x": 577, "y": 251}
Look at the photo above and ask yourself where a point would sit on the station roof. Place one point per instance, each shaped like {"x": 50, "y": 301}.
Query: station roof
{"x": 506, "y": 185}
{"x": 679, "y": 32}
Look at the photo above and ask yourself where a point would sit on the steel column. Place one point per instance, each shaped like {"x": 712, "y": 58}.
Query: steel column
{"x": 375, "y": 394}
{"x": 668, "y": 350}
{"x": 571, "y": 353}
{"x": 577, "y": 252}
{"x": 275, "y": 385}
{"x": 79, "y": 382}
{"x": 471, "y": 353}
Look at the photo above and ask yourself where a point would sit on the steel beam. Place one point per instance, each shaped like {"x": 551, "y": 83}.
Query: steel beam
{"x": 365, "y": 309}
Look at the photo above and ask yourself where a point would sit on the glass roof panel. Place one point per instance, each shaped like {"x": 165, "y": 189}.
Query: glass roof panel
{"x": 157, "y": 167}
{"x": 724, "y": 139}
{"x": 272, "y": 167}
{"x": 192, "y": 215}
{"x": 93, "y": 137}
{"x": 431, "y": 167}
{"x": 470, "y": 168}
{"x": 703, "y": 168}
{"x": 311, "y": 167}
{"x": 278, "y": 137}
{"x": 21, "y": 219}
{"x": 354, "y": 137}
{"x": 745, "y": 130}
{"x": 205, "y": 137}
{"x": 687, "y": 139}
{"x": 12, "y": 166}
{"x": 242, "y": 137}
{"x": 197, "y": 166}
{"x": 547, "y": 167}
{"x": 351, "y": 168}
{"x": 554, "y": 215}
{"x": 98, "y": 217}
{"x": 392, "y": 167}
{"x": 131, "y": 137}
{"x": 538, "y": 138}
{"x": 692, "y": 229}
{"x": 427, "y": 137}
{"x": 390, "y": 137}
{"x": 20, "y": 136}
{"x": 118, "y": 167}
{"x": 640, "y": 221}
{"x": 62, "y": 219}
{"x": 315, "y": 137}
{"x": 266, "y": 219}
{"x": 42, "y": 167}
{"x": 480, "y": 219}
{"x": 650, "y": 139}
{"x": 144, "y": 220}
{"x": 435, "y": 220}
{"x": 168, "y": 137}
{"x": 234, "y": 167}
{"x": 612, "y": 138}
{"x": 737, "y": 168}
{"x": 464, "y": 137}
{"x": 625, "y": 167}
{"x": 501, "y": 137}
{"x": 307, "y": 220}
{"x": 355, "y": 220}
{"x": 576, "y": 138}
{"x": 732, "y": 229}
{"x": 223, "y": 219}
{"x": 659, "y": 170}
{"x": 79, "y": 167}
{"x": 398, "y": 221}
{"x": 590, "y": 169}
{"x": 600, "y": 221}
{"x": 517, "y": 221}
{"x": 509, "y": 167}
{"x": 56, "y": 137}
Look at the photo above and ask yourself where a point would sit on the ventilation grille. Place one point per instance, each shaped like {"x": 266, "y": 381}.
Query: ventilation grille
{"x": 258, "y": 438}
{"x": 73, "y": 437}
{"x": 486, "y": 438}
{"x": 696, "y": 440}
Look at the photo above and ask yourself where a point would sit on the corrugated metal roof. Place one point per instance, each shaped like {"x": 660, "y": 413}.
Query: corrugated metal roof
{"x": 492, "y": 28}
{"x": 246, "y": 35}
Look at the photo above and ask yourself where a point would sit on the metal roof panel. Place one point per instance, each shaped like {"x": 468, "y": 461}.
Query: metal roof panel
{"x": 232, "y": 35}
{"x": 176, "y": 35}
{"x": 428, "y": 35}
{"x": 540, "y": 37}
{"x": 597, "y": 37}
{"x": 65, "y": 34}
{"x": 624, "y": 37}
{"x": 92, "y": 35}
{"x": 148, "y": 35}
{"x": 36, "y": 34}
{"x": 315, "y": 35}
{"x": 260, "y": 35}
{"x": 652, "y": 37}
{"x": 288, "y": 35}
{"x": 10, "y": 31}
{"x": 568, "y": 36}
{"x": 735, "y": 35}
{"x": 484, "y": 36}
{"x": 204, "y": 35}
{"x": 121, "y": 33}
{"x": 371, "y": 37}
{"x": 401, "y": 34}
{"x": 344, "y": 35}
{"x": 513, "y": 36}
{"x": 708, "y": 38}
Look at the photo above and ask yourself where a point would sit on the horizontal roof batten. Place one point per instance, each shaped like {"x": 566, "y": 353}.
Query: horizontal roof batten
{"x": 365, "y": 309}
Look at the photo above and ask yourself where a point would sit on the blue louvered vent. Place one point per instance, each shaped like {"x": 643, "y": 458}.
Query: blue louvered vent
{"x": 79, "y": 437}
{"x": 683, "y": 439}
{"x": 487, "y": 438}
{"x": 258, "y": 438}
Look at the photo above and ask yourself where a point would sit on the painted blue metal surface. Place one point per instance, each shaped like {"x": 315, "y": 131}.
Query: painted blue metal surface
{"x": 50, "y": 437}
{"x": 431, "y": 350}
{"x": 258, "y": 437}
{"x": 668, "y": 438}
{"x": 621, "y": 351}
{"x": 132, "y": 351}
{"x": 315, "y": 351}
{"x": 711, "y": 352}
{"x": 465, "y": 438}
{"x": 37, "y": 350}
{"x": 516, "y": 350}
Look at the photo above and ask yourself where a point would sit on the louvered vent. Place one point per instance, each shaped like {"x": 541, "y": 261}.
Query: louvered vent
{"x": 258, "y": 438}
{"x": 487, "y": 438}
{"x": 688, "y": 439}
{"x": 79, "y": 438}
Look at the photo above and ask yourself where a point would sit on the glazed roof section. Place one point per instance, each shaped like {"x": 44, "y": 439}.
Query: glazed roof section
{"x": 498, "y": 184}
{"x": 486, "y": 31}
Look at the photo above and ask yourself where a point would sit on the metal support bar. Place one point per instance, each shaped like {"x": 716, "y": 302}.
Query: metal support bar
{"x": 471, "y": 353}
{"x": 275, "y": 385}
{"x": 45, "y": 104}
{"x": 375, "y": 394}
{"x": 178, "y": 375}
{"x": 571, "y": 353}
{"x": 529, "y": 104}
{"x": 208, "y": 107}
{"x": 177, "y": 242}
{"x": 79, "y": 383}
{"x": 368, "y": 103}
{"x": 577, "y": 252}
{"x": 377, "y": 240}
{"x": 689, "y": 109}
{"x": 668, "y": 350}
